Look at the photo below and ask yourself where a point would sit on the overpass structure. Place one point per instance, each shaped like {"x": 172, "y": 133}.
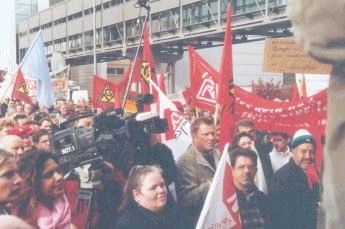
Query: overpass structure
{"x": 174, "y": 24}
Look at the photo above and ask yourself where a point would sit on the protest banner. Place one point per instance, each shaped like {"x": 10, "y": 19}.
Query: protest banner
{"x": 284, "y": 56}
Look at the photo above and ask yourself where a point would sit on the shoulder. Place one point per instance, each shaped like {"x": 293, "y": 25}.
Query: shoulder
{"x": 187, "y": 156}
{"x": 130, "y": 219}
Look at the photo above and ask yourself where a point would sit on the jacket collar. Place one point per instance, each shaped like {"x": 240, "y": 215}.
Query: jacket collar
{"x": 200, "y": 159}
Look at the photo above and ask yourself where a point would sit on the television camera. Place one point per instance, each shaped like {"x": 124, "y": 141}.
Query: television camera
{"x": 75, "y": 147}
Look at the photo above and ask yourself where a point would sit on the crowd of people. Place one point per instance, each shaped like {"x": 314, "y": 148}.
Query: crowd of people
{"x": 269, "y": 170}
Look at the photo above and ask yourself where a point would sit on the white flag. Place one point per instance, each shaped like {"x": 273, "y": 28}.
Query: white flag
{"x": 178, "y": 137}
{"x": 221, "y": 209}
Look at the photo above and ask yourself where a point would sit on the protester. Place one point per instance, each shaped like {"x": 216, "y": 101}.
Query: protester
{"x": 254, "y": 205}
{"x": 5, "y": 125}
{"x": 145, "y": 201}
{"x": 280, "y": 155}
{"x": 21, "y": 119}
{"x": 295, "y": 203}
{"x": 25, "y": 133}
{"x": 196, "y": 168}
{"x": 262, "y": 146}
{"x": 41, "y": 141}
{"x": 28, "y": 109}
{"x": 10, "y": 182}
{"x": 45, "y": 123}
{"x": 243, "y": 140}
{"x": 42, "y": 203}
{"x": 13, "y": 144}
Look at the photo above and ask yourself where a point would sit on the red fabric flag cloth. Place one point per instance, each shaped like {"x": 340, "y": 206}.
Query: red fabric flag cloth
{"x": 105, "y": 94}
{"x": 148, "y": 57}
{"x": 20, "y": 90}
{"x": 226, "y": 85}
{"x": 204, "y": 79}
{"x": 226, "y": 69}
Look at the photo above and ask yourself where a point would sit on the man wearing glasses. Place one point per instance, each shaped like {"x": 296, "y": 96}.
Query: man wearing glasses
{"x": 254, "y": 205}
{"x": 262, "y": 147}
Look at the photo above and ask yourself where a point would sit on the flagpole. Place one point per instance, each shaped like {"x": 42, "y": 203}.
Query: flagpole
{"x": 135, "y": 61}
{"x": 94, "y": 39}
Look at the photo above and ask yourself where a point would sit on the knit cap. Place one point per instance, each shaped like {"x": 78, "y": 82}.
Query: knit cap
{"x": 302, "y": 136}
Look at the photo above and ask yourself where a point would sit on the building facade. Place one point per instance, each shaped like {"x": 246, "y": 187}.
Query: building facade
{"x": 67, "y": 27}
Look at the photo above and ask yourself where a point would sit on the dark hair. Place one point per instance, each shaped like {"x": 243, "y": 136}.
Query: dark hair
{"x": 194, "y": 127}
{"x": 242, "y": 152}
{"x": 244, "y": 123}
{"x": 236, "y": 139}
{"x": 134, "y": 182}
{"x": 30, "y": 168}
{"x": 19, "y": 116}
{"x": 283, "y": 135}
{"x": 38, "y": 134}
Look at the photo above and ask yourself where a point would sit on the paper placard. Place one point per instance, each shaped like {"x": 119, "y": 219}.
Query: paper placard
{"x": 284, "y": 56}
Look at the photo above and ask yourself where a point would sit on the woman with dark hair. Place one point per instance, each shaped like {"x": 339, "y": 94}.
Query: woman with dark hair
{"x": 145, "y": 201}
{"x": 43, "y": 203}
{"x": 243, "y": 140}
{"x": 10, "y": 181}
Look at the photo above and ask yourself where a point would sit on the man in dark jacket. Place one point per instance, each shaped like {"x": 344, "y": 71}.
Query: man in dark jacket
{"x": 254, "y": 205}
{"x": 295, "y": 203}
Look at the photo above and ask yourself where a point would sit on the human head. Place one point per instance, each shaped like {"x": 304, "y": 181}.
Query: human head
{"x": 24, "y": 132}
{"x": 280, "y": 141}
{"x": 203, "y": 134}
{"x": 27, "y": 109}
{"x": 21, "y": 119}
{"x": 303, "y": 148}
{"x": 10, "y": 181}
{"x": 19, "y": 109}
{"x": 246, "y": 125}
{"x": 41, "y": 141}
{"x": 187, "y": 112}
{"x": 42, "y": 182}
{"x": 243, "y": 140}
{"x": 5, "y": 125}
{"x": 12, "y": 144}
{"x": 145, "y": 186}
{"x": 244, "y": 167}
{"x": 46, "y": 124}
{"x": 63, "y": 108}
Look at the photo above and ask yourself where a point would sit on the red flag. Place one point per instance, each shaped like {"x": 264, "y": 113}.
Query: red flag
{"x": 105, "y": 93}
{"x": 149, "y": 59}
{"x": 203, "y": 78}
{"x": 226, "y": 71}
{"x": 226, "y": 93}
{"x": 20, "y": 90}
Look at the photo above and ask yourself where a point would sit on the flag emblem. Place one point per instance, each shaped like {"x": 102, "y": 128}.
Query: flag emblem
{"x": 145, "y": 71}
{"x": 107, "y": 95}
{"x": 207, "y": 90}
{"x": 22, "y": 89}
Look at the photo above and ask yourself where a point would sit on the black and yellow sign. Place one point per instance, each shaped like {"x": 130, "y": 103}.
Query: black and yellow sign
{"x": 107, "y": 95}
{"x": 145, "y": 71}
{"x": 22, "y": 89}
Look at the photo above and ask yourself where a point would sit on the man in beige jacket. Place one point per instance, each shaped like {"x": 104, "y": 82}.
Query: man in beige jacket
{"x": 196, "y": 168}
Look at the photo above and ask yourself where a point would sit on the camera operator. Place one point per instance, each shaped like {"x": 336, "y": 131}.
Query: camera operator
{"x": 103, "y": 180}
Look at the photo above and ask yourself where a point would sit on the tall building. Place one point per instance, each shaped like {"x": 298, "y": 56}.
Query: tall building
{"x": 25, "y": 9}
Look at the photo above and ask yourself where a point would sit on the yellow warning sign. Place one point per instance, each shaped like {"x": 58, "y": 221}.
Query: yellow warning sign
{"x": 107, "y": 95}
{"x": 22, "y": 89}
{"x": 145, "y": 71}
